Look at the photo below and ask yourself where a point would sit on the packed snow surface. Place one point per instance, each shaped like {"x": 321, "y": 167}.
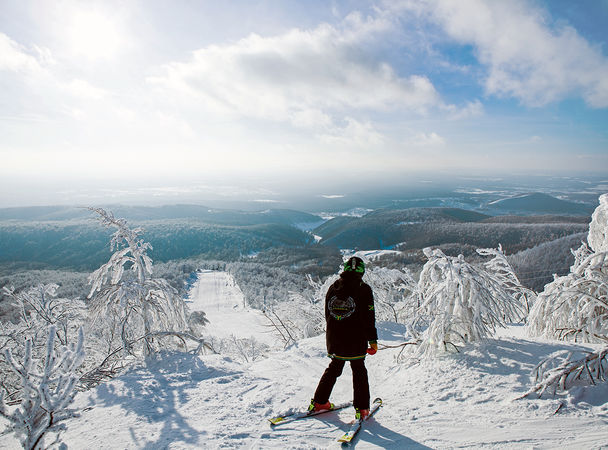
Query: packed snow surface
{"x": 466, "y": 400}
{"x": 220, "y": 298}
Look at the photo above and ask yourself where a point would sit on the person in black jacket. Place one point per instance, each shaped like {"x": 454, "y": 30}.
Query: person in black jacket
{"x": 351, "y": 326}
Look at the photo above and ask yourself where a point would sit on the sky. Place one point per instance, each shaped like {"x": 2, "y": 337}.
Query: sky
{"x": 165, "y": 95}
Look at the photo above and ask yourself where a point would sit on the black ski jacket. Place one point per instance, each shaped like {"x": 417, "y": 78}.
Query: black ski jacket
{"x": 350, "y": 316}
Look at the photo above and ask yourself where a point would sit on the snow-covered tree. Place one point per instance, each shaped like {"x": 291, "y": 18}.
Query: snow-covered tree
{"x": 575, "y": 306}
{"x": 319, "y": 288}
{"x": 134, "y": 306}
{"x": 303, "y": 315}
{"x": 502, "y": 271}
{"x": 461, "y": 303}
{"x": 39, "y": 307}
{"x": 242, "y": 349}
{"x": 396, "y": 295}
{"x": 48, "y": 389}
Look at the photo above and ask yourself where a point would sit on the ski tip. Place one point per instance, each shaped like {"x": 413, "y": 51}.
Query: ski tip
{"x": 378, "y": 400}
{"x": 345, "y": 440}
{"x": 276, "y": 420}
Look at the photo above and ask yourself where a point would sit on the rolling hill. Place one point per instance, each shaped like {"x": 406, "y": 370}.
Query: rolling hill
{"x": 417, "y": 228}
{"x": 538, "y": 203}
{"x": 167, "y": 212}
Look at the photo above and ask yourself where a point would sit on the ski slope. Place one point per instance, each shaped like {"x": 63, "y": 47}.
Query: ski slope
{"x": 217, "y": 294}
{"x": 183, "y": 401}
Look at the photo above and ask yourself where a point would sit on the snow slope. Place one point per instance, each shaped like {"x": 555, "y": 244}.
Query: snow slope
{"x": 217, "y": 294}
{"x": 182, "y": 401}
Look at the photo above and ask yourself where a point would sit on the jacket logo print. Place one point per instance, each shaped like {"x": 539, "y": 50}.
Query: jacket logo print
{"x": 340, "y": 308}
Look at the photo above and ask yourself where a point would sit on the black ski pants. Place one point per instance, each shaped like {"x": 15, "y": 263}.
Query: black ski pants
{"x": 360, "y": 382}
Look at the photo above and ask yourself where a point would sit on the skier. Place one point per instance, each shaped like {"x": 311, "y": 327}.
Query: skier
{"x": 351, "y": 326}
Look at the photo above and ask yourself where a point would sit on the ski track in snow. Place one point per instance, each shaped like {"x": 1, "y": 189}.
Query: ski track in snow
{"x": 182, "y": 401}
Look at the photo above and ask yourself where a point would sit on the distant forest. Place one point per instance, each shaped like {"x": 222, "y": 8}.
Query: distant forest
{"x": 84, "y": 246}
{"x": 271, "y": 259}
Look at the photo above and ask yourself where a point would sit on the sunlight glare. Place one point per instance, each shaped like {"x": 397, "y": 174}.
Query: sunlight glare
{"x": 94, "y": 35}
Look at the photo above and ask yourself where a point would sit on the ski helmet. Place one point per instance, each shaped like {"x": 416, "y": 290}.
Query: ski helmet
{"x": 355, "y": 264}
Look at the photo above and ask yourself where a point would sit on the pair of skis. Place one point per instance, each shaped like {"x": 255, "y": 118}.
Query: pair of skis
{"x": 347, "y": 437}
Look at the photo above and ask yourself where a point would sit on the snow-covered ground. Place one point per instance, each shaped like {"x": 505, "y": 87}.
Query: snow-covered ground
{"x": 370, "y": 255}
{"x": 182, "y": 401}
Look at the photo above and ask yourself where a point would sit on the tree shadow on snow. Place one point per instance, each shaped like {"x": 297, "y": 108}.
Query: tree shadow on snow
{"x": 514, "y": 356}
{"x": 155, "y": 391}
{"x": 391, "y": 331}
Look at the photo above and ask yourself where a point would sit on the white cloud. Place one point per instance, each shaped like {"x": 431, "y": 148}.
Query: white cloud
{"x": 85, "y": 90}
{"x": 471, "y": 109}
{"x": 93, "y": 33}
{"x": 45, "y": 77}
{"x": 526, "y": 57}
{"x": 15, "y": 58}
{"x": 354, "y": 133}
{"x": 332, "y": 196}
{"x": 265, "y": 200}
{"x": 175, "y": 124}
{"x": 427, "y": 140}
{"x": 310, "y": 118}
{"x": 307, "y": 77}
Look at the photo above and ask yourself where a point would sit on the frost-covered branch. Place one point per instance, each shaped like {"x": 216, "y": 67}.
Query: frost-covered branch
{"x": 591, "y": 369}
{"x": 283, "y": 329}
{"x": 47, "y": 393}
{"x": 302, "y": 315}
{"x": 396, "y": 294}
{"x": 39, "y": 307}
{"x": 502, "y": 271}
{"x": 244, "y": 349}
